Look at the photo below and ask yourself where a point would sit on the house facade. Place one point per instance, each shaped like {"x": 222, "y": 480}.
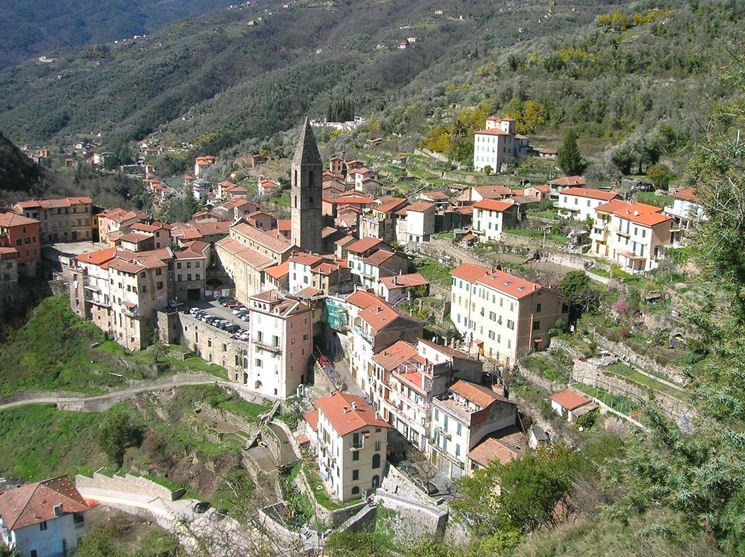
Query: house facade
{"x": 580, "y": 203}
{"x": 490, "y": 217}
{"x": 68, "y": 219}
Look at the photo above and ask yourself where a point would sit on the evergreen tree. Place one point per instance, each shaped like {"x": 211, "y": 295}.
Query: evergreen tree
{"x": 570, "y": 159}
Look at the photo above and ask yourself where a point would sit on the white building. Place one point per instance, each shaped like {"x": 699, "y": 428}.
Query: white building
{"x": 497, "y": 144}
{"x": 580, "y": 203}
{"x": 417, "y": 223}
{"x": 686, "y": 209}
{"x": 352, "y": 445}
{"x": 467, "y": 414}
{"x": 491, "y": 216}
{"x": 43, "y": 519}
{"x": 570, "y": 404}
{"x": 280, "y": 344}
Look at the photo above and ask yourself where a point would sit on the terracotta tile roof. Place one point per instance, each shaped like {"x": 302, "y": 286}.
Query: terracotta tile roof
{"x": 312, "y": 419}
{"x": 344, "y": 240}
{"x": 120, "y": 215}
{"x": 493, "y": 131}
{"x": 396, "y": 354}
{"x": 142, "y": 227}
{"x": 11, "y": 219}
{"x": 34, "y": 503}
{"x": 379, "y": 315}
{"x": 414, "y": 379}
{"x": 494, "y": 192}
{"x": 591, "y": 193}
{"x": 210, "y": 228}
{"x": 569, "y": 181}
{"x": 490, "y": 450}
{"x": 687, "y": 194}
{"x": 135, "y": 237}
{"x": 364, "y": 244}
{"x": 284, "y": 224}
{"x": 377, "y": 258}
{"x": 390, "y": 205}
{"x": 639, "y": 213}
{"x": 275, "y": 243}
{"x": 362, "y": 299}
{"x": 477, "y": 394}
{"x": 494, "y": 205}
{"x": 506, "y": 283}
{"x": 97, "y": 257}
{"x": 469, "y": 272}
{"x": 570, "y": 399}
{"x": 436, "y": 195}
{"x": 352, "y": 200}
{"x": 306, "y": 259}
{"x": 8, "y": 253}
{"x": 278, "y": 271}
{"x": 347, "y": 413}
{"x": 308, "y": 292}
{"x": 55, "y": 203}
{"x": 404, "y": 281}
{"x": 420, "y": 206}
{"x": 193, "y": 250}
{"x": 244, "y": 253}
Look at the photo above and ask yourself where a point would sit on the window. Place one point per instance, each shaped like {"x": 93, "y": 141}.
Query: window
{"x": 43, "y": 525}
{"x": 510, "y": 324}
{"x": 536, "y": 325}
{"x": 355, "y": 475}
{"x": 457, "y": 450}
{"x": 458, "y": 429}
{"x": 377, "y": 445}
{"x": 538, "y": 308}
{"x": 376, "y": 461}
{"x": 356, "y": 455}
{"x": 257, "y": 362}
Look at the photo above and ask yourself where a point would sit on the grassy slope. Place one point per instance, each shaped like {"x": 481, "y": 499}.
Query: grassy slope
{"x": 52, "y": 351}
{"x": 38, "y": 441}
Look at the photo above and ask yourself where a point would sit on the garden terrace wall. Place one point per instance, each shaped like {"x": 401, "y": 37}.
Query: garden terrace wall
{"x": 331, "y": 518}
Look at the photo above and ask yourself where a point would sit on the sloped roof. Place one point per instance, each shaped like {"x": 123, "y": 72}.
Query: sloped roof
{"x": 478, "y": 394}
{"x": 591, "y": 193}
{"x": 396, "y": 354}
{"x": 404, "y": 281}
{"x": 34, "y": 503}
{"x": 306, "y": 151}
{"x": 494, "y": 205}
{"x": 10, "y": 219}
{"x": 569, "y": 181}
{"x": 347, "y": 413}
{"x": 639, "y": 213}
{"x": 364, "y": 244}
{"x": 570, "y": 399}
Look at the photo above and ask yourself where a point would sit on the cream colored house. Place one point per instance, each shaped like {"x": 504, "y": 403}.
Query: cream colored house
{"x": 280, "y": 344}
{"x": 504, "y": 315}
{"x": 352, "y": 445}
{"x": 633, "y": 235}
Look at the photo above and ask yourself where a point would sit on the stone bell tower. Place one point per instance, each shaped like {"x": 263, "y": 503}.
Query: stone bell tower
{"x": 306, "y": 193}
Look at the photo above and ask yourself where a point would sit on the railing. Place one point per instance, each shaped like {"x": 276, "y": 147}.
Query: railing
{"x": 267, "y": 346}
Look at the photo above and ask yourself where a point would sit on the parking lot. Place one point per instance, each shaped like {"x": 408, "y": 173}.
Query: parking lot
{"x": 225, "y": 314}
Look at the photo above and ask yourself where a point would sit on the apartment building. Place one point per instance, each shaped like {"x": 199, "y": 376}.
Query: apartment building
{"x": 380, "y": 221}
{"x": 580, "y": 203}
{"x": 69, "y": 219}
{"x": 491, "y": 217}
{"x": 632, "y": 235}
{"x": 397, "y": 287}
{"x": 190, "y": 271}
{"x": 352, "y": 445}
{"x": 280, "y": 344}
{"x": 24, "y": 235}
{"x": 461, "y": 419}
{"x": 244, "y": 266}
{"x": 113, "y": 220}
{"x": 375, "y": 326}
{"x": 120, "y": 292}
{"x": 504, "y": 315}
{"x": 497, "y": 144}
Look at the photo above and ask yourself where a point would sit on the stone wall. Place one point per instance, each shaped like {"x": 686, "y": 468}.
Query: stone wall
{"x": 542, "y": 382}
{"x": 210, "y": 343}
{"x": 364, "y": 517}
{"x": 637, "y": 360}
{"x": 416, "y": 520}
{"x": 129, "y": 484}
{"x": 274, "y": 527}
{"x": 330, "y": 518}
{"x": 560, "y": 345}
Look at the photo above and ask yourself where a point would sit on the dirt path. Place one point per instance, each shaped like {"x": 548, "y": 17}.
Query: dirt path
{"x": 103, "y": 402}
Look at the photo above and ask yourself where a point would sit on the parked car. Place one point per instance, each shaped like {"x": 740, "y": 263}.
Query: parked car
{"x": 325, "y": 363}
{"x": 201, "y": 506}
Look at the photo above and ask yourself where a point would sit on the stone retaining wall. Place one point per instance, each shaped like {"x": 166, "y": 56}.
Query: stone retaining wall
{"x": 417, "y": 520}
{"x": 328, "y": 517}
{"x": 638, "y": 360}
{"x": 129, "y": 484}
{"x": 276, "y": 528}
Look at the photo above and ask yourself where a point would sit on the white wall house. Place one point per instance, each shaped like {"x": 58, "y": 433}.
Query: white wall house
{"x": 580, "y": 203}
{"x": 490, "y": 217}
{"x": 496, "y": 144}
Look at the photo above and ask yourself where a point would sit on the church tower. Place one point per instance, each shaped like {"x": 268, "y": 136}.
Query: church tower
{"x": 306, "y": 193}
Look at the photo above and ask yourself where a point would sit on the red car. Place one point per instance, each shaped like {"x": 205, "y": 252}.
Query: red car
{"x": 325, "y": 362}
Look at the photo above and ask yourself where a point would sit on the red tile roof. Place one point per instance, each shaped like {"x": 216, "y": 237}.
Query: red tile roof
{"x": 97, "y": 257}
{"x": 479, "y": 395}
{"x": 393, "y": 356}
{"x": 278, "y": 271}
{"x": 34, "y": 503}
{"x": 493, "y": 131}
{"x": 570, "y": 399}
{"x": 490, "y": 450}
{"x": 687, "y": 194}
{"x": 639, "y": 213}
{"x": 591, "y": 193}
{"x": 347, "y": 413}
{"x": 10, "y": 220}
{"x": 404, "y": 281}
{"x": 469, "y": 272}
{"x": 390, "y": 205}
{"x": 506, "y": 283}
{"x": 378, "y": 257}
{"x": 364, "y": 244}
{"x": 494, "y": 205}
{"x": 569, "y": 181}
{"x": 379, "y": 315}
{"x": 420, "y": 206}
{"x": 362, "y": 299}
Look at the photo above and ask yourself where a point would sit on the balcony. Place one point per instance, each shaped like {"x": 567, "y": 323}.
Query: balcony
{"x": 269, "y": 347}
{"x": 443, "y": 433}
{"x": 367, "y": 338}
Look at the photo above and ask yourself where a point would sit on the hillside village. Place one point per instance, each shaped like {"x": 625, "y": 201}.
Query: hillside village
{"x": 417, "y": 333}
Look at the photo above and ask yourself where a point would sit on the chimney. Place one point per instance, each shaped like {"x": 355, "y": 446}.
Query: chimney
{"x": 345, "y": 409}
{"x": 354, "y": 406}
{"x": 395, "y": 280}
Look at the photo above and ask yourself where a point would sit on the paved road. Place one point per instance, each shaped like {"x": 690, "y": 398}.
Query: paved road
{"x": 115, "y": 396}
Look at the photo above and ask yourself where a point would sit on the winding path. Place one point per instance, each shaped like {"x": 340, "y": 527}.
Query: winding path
{"x": 104, "y": 401}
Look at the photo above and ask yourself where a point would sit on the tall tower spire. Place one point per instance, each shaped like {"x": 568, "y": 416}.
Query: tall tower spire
{"x": 306, "y": 192}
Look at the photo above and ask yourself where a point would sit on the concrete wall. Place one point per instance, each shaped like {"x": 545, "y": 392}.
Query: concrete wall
{"x": 129, "y": 484}
{"x": 417, "y": 520}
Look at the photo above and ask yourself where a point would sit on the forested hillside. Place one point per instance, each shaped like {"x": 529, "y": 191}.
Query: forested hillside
{"x": 240, "y": 74}
{"x": 34, "y": 28}
{"x": 17, "y": 171}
